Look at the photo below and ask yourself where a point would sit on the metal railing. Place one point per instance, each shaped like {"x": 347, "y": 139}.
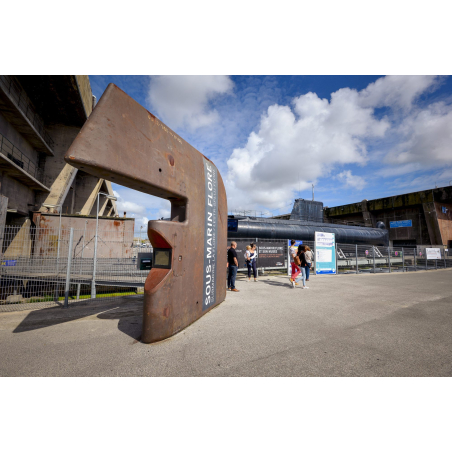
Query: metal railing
{"x": 364, "y": 258}
{"x": 20, "y": 159}
{"x": 20, "y": 98}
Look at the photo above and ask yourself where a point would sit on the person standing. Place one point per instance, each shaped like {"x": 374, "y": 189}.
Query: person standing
{"x": 292, "y": 254}
{"x": 300, "y": 260}
{"x": 232, "y": 266}
{"x": 253, "y": 257}
{"x": 248, "y": 261}
{"x": 309, "y": 258}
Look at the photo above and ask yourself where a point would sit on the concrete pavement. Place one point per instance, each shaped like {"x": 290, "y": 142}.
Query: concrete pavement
{"x": 348, "y": 325}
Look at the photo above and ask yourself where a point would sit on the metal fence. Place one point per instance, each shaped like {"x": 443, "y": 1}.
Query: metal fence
{"x": 45, "y": 267}
{"x": 369, "y": 258}
{"x": 50, "y": 267}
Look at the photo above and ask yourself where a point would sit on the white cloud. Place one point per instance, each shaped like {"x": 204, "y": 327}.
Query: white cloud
{"x": 349, "y": 180}
{"x": 426, "y": 137}
{"x": 292, "y": 148}
{"x": 298, "y": 144}
{"x": 397, "y": 91}
{"x": 183, "y": 100}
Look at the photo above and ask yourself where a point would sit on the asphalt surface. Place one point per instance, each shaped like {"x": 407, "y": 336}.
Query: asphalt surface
{"x": 396, "y": 324}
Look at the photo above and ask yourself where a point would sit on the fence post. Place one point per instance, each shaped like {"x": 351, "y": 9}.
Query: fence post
{"x": 389, "y": 258}
{"x": 337, "y": 258}
{"x": 426, "y": 261}
{"x": 403, "y": 260}
{"x": 68, "y": 271}
{"x": 93, "y": 283}
{"x": 356, "y": 254}
{"x": 445, "y": 258}
{"x": 257, "y": 269}
{"x": 415, "y": 257}
{"x": 373, "y": 255}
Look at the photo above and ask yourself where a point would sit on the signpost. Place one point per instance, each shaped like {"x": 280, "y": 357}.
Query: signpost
{"x": 325, "y": 253}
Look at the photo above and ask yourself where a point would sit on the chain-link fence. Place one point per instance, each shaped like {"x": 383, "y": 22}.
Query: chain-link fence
{"x": 50, "y": 267}
{"x": 44, "y": 267}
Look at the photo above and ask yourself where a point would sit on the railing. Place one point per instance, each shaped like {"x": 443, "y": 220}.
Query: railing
{"x": 15, "y": 155}
{"x": 22, "y": 101}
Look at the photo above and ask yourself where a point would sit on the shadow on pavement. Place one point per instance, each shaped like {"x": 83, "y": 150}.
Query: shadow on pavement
{"x": 128, "y": 312}
{"x": 276, "y": 283}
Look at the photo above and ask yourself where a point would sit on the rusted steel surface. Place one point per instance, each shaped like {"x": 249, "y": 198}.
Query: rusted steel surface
{"x": 124, "y": 143}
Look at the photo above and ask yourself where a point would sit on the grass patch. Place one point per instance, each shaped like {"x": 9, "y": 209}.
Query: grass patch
{"x": 81, "y": 297}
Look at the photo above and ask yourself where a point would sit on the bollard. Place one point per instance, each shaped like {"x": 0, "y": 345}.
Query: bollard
{"x": 403, "y": 260}
{"x": 68, "y": 270}
{"x": 389, "y": 259}
{"x": 426, "y": 260}
{"x": 415, "y": 257}
{"x": 78, "y": 291}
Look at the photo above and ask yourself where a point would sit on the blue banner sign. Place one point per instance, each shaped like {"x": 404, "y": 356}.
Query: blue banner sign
{"x": 9, "y": 263}
{"x": 401, "y": 224}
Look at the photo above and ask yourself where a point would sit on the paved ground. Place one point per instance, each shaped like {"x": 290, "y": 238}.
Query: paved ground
{"x": 348, "y": 325}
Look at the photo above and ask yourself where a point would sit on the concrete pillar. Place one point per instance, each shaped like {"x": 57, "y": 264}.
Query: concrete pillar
{"x": 60, "y": 187}
{"x": 86, "y": 209}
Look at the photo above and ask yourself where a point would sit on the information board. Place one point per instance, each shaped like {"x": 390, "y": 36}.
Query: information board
{"x": 433, "y": 253}
{"x": 271, "y": 254}
{"x": 325, "y": 253}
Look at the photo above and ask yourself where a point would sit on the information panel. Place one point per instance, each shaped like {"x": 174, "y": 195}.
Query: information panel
{"x": 433, "y": 253}
{"x": 271, "y": 254}
{"x": 325, "y": 253}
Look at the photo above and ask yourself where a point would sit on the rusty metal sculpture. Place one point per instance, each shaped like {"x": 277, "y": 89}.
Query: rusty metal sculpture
{"x": 124, "y": 143}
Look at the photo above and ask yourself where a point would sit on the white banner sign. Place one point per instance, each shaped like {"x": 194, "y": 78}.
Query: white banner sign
{"x": 433, "y": 253}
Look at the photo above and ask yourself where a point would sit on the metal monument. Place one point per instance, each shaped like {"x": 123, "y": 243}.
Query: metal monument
{"x": 124, "y": 143}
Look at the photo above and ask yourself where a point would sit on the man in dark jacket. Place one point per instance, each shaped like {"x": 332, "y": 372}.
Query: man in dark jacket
{"x": 232, "y": 266}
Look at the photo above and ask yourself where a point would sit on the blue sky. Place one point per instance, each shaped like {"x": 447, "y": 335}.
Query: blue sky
{"x": 354, "y": 137}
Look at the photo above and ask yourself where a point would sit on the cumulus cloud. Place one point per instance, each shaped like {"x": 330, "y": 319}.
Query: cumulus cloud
{"x": 426, "y": 137}
{"x": 294, "y": 145}
{"x": 349, "y": 180}
{"x": 184, "y": 100}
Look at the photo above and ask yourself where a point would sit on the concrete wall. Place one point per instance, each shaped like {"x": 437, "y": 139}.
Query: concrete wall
{"x": 8, "y": 131}
{"x": 18, "y": 194}
{"x": 445, "y": 221}
{"x": 115, "y": 236}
